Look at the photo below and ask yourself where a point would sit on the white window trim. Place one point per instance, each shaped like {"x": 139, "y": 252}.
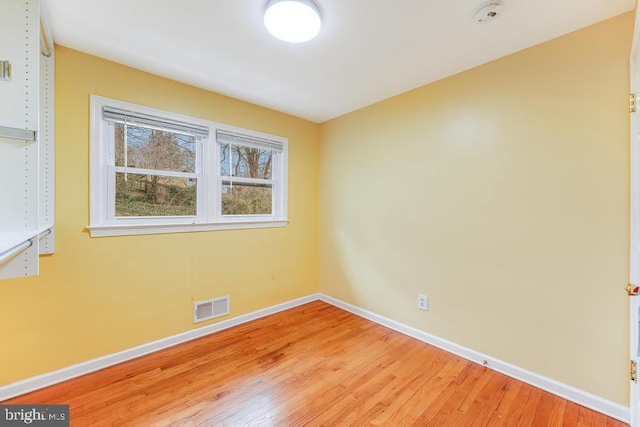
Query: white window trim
{"x": 209, "y": 182}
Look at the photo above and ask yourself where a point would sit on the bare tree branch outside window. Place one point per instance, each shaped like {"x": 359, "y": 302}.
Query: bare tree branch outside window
{"x": 246, "y": 162}
{"x": 158, "y": 150}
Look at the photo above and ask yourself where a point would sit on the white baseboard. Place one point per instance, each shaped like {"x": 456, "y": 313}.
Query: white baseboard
{"x": 55, "y": 377}
{"x": 565, "y": 391}
{"x": 604, "y": 406}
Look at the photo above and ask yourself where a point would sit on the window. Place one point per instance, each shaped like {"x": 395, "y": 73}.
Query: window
{"x": 159, "y": 172}
{"x": 246, "y": 173}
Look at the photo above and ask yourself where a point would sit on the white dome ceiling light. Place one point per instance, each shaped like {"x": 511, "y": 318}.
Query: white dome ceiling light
{"x": 488, "y": 12}
{"x": 293, "y": 21}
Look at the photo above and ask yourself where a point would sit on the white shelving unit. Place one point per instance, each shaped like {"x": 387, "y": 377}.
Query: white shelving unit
{"x": 26, "y": 139}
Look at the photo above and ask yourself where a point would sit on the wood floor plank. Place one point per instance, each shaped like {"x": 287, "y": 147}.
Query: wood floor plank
{"x": 549, "y": 412}
{"x": 465, "y": 384}
{"x": 489, "y": 398}
{"x": 529, "y": 411}
{"x": 433, "y": 395}
{"x": 313, "y": 365}
{"x": 499, "y": 417}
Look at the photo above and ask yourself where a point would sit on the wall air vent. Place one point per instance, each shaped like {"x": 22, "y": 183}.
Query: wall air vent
{"x": 211, "y": 308}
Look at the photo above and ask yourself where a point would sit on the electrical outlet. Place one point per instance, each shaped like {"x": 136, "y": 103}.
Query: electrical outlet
{"x": 423, "y": 302}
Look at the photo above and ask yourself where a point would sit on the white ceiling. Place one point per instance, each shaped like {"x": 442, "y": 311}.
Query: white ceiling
{"x": 367, "y": 50}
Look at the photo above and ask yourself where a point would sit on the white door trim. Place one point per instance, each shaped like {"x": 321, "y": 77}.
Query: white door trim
{"x": 634, "y": 250}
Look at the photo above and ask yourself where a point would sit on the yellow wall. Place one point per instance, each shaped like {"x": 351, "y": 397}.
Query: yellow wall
{"x": 96, "y": 296}
{"x": 502, "y": 193}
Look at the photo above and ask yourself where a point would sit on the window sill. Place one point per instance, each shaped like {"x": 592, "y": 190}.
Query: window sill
{"x": 132, "y": 230}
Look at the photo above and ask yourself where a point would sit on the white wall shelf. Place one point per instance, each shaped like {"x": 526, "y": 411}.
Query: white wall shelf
{"x": 11, "y": 239}
{"x": 26, "y": 139}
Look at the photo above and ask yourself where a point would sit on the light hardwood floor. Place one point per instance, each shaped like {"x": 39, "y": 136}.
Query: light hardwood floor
{"x": 311, "y": 365}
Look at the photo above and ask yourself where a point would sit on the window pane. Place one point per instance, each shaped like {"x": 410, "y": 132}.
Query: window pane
{"x": 245, "y": 162}
{"x": 147, "y": 195}
{"x": 246, "y": 199}
{"x": 155, "y": 149}
{"x": 225, "y": 166}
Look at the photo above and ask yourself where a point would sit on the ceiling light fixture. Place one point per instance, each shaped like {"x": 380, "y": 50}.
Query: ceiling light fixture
{"x": 293, "y": 21}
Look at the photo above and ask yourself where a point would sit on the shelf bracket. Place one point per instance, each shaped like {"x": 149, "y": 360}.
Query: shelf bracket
{"x": 15, "y": 133}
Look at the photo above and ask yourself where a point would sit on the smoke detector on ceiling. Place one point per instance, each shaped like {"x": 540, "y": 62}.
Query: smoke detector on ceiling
{"x": 488, "y": 12}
